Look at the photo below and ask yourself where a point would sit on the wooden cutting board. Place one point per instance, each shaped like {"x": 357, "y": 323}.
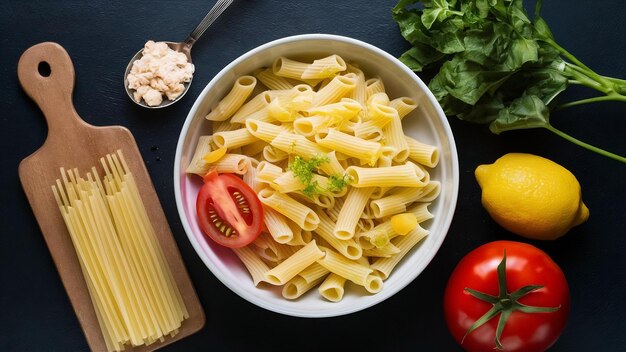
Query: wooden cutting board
{"x": 71, "y": 143}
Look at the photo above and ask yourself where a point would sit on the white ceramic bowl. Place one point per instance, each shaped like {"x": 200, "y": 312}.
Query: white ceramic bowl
{"x": 427, "y": 123}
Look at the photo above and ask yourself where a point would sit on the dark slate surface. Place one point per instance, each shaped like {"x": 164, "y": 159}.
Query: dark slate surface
{"x": 101, "y": 36}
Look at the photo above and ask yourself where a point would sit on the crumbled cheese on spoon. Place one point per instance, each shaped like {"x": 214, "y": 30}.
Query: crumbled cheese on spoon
{"x": 160, "y": 71}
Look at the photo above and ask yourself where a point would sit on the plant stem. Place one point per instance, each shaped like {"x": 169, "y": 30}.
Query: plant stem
{"x": 586, "y": 145}
{"x": 574, "y": 60}
{"x": 611, "y": 97}
{"x": 585, "y": 80}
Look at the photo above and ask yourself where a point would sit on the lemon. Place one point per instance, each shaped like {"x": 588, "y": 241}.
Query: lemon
{"x": 531, "y": 196}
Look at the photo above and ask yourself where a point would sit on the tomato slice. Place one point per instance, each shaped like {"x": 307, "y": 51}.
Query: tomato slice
{"x": 229, "y": 211}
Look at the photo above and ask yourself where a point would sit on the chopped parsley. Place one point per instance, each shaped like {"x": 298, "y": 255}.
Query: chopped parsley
{"x": 303, "y": 171}
{"x": 337, "y": 183}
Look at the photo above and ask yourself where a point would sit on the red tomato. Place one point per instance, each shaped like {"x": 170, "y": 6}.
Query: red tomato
{"x": 536, "y": 314}
{"x": 229, "y": 212}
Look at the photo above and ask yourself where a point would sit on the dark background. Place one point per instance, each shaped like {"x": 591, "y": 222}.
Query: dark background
{"x": 101, "y": 36}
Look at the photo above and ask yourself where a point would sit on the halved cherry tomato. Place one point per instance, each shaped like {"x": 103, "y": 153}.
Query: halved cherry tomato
{"x": 506, "y": 295}
{"x": 229, "y": 212}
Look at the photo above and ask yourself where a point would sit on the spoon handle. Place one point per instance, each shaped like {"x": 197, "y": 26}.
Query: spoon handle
{"x": 210, "y": 17}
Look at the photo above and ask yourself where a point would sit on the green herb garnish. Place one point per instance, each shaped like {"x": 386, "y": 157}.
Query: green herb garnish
{"x": 303, "y": 171}
{"x": 495, "y": 65}
{"x": 337, "y": 183}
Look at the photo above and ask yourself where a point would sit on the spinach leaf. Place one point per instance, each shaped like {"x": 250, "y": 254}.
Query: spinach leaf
{"x": 496, "y": 65}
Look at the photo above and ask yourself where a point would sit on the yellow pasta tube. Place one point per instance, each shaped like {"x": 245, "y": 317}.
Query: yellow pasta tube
{"x": 223, "y": 126}
{"x": 351, "y": 270}
{"x": 308, "y": 126}
{"x": 385, "y": 252}
{"x": 403, "y": 106}
{"x": 257, "y": 104}
{"x": 256, "y": 267}
{"x": 284, "y": 67}
{"x": 421, "y": 212}
{"x": 407, "y": 175}
{"x": 254, "y": 148}
{"x": 296, "y": 287}
{"x": 394, "y": 137}
{"x": 366, "y": 151}
{"x": 285, "y": 107}
{"x": 344, "y": 110}
{"x": 373, "y": 86}
{"x": 274, "y": 155}
{"x": 368, "y": 131}
{"x": 299, "y": 145}
{"x": 324, "y": 68}
{"x": 271, "y": 81}
{"x": 349, "y": 248}
{"x": 241, "y": 90}
{"x": 234, "y": 139}
{"x": 268, "y": 172}
{"x": 397, "y": 200}
{"x": 263, "y": 130}
{"x": 198, "y": 165}
{"x": 359, "y": 93}
{"x": 302, "y": 215}
{"x": 425, "y": 154}
{"x": 288, "y": 269}
{"x": 384, "y": 266}
{"x": 350, "y": 213}
{"x": 336, "y": 89}
{"x": 332, "y": 288}
{"x": 277, "y": 225}
{"x": 232, "y": 164}
{"x": 313, "y": 272}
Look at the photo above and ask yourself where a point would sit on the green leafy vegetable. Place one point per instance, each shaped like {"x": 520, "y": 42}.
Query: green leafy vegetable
{"x": 495, "y": 65}
{"x": 303, "y": 171}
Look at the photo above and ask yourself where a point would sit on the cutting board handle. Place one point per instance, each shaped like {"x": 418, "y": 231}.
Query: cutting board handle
{"x": 46, "y": 74}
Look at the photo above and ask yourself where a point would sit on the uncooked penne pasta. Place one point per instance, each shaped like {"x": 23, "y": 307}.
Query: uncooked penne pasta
{"x": 274, "y": 155}
{"x": 284, "y": 67}
{"x": 351, "y": 270}
{"x": 339, "y": 87}
{"x": 232, "y": 164}
{"x": 349, "y": 248}
{"x": 403, "y": 106}
{"x": 288, "y": 269}
{"x": 395, "y": 138}
{"x": 366, "y": 151}
{"x": 271, "y": 81}
{"x": 425, "y": 154}
{"x": 296, "y": 287}
{"x": 332, "y": 288}
{"x": 256, "y": 267}
{"x": 277, "y": 225}
{"x": 384, "y": 266}
{"x": 253, "y": 148}
{"x": 241, "y": 90}
{"x": 234, "y": 139}
{"x": 198, "y": 165}
{"x": 350, "y": 213}
{"x": 263, "y": 130}
{"x": 302, "y": 215}
{"x": 373, "y": 86}
{"x": 255, "y": 105}
{"x": 324, "y": 68}
{"x": 407, "y": 175}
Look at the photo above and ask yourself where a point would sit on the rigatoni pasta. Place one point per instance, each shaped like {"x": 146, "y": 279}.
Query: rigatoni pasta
{"x": 324, "y": 149}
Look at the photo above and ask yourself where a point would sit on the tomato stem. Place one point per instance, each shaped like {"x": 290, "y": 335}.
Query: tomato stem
{"x": 504, "y": 304}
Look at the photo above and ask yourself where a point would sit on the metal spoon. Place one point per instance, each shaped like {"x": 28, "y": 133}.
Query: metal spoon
{"x": 183, "y": 47}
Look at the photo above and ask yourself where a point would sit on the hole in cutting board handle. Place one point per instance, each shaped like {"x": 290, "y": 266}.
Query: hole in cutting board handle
{"x": 44, "y": 69}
